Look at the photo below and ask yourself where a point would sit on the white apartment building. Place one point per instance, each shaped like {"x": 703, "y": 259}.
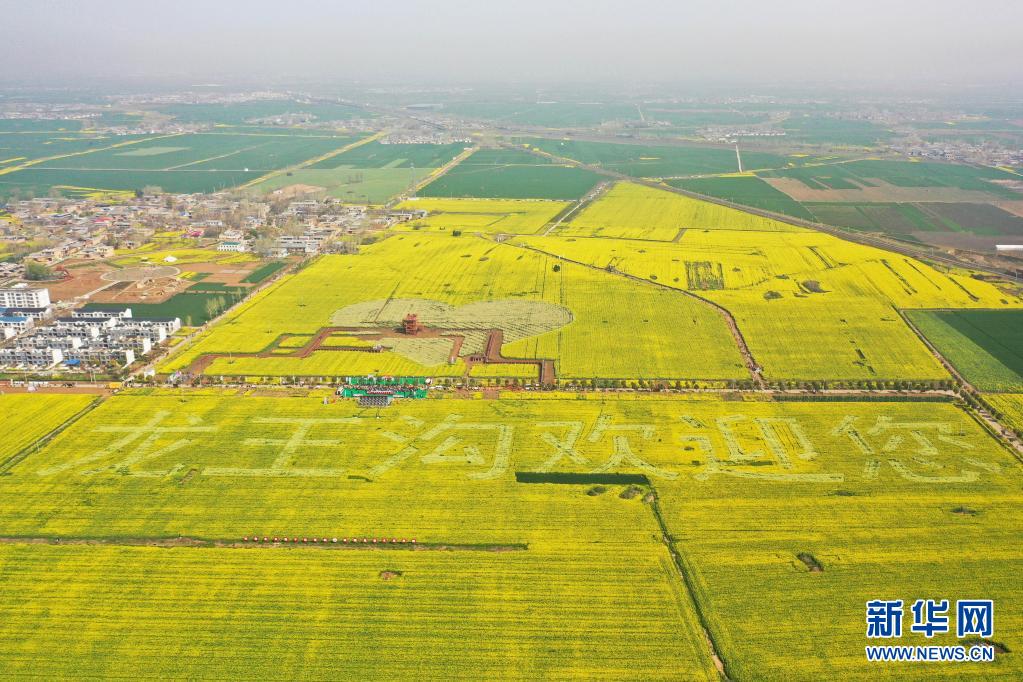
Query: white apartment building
{"x": 18, "y": 323}
{"x": 23, "y": 296}
{"x": 101, "y": 314}
{"x": 43, "y": 358}
{"x": 99, "y": 356}
{"x": 237, "y": 247}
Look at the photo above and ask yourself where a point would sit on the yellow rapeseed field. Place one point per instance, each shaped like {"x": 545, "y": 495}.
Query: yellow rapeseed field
{"x": 27, "y": 417}
{"x": 487, "y": 216}
{"x": 575, "y": 579}
{"x": 679, "y": 337}
{"x": 635, "y": 211}
{"x": 810, "y": 305}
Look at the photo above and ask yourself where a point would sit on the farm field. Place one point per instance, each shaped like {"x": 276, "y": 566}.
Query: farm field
{"x": 660, "y": 161}
{"x": 550, "y": 114}
{"x": 193, "y": 307}
{"x": 575, "y": 343}
{"x": 901, "y": 220}
{"x": 788, "y": 288}
{"x": 329, "y": 614}
{"x": 882, "y": 180}
{"x": 524, "y": 372}
{"x": 182, "y": 253}
{"x": 748, "y": 190}
{"x": 353, "y": 185}
{"x": 265, "y": 271}
{"x": 332, "y": 364}
{"x": 486, "y": 216}
{"x": 208, "y": 152}
{"x": 17, "y": 148}
{"x": 27, "y": 418}
{"x": 925, "y": 221}
{"x": 631, "y": 211}
{"x": 369, "y": 173}
{"x": 1010, "y": 405}
{"x": 511, "y": 174}
{"x": 934, "y": 221}
{"x": 981, "y": 219}
{"x": 985, "y": 346}
{"x": 831, "y": 131}
{"x": 520, "y": 290}
{"x": 690, "y": 119}
{"x": 33, "y": 125}
{"x": 240, "y": 113}
{"x": 247, "y": 461}
{"x": 128, "y": 477}
{"x": 906, "y": 523}
{"x": 379, "y": 155}
{"x": 38, "y": 181}
{"x": 192, "y": 162}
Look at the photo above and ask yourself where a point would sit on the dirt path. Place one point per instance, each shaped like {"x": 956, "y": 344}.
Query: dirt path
{"x": 590, "y": 197}
{"x": 492, "y": 356}
{"x": 443, "y": 170}
{"x": 685, "y": 572}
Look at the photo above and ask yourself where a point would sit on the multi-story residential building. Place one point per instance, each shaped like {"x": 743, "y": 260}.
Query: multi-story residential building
{"x": 31, "y": 313}
{"x": 24, "y": 296}
{"x": 236, "y": 246}
{"x": 29, "y": 357}
{"x": 18, "y": 323}
{"x": 88, "y": 338}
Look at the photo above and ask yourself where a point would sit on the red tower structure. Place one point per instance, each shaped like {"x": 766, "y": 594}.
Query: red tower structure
{"x": 410, "y": 325}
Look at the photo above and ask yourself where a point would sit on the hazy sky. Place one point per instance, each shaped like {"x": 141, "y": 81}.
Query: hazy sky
{"x": 781, "y": 41}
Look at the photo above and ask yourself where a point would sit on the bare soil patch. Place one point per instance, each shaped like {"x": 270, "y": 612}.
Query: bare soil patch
{"x": 83, "y": 280}
{"x": 963, "y": 240}
{"x": 811, "y": 562}
{"x": 298, "y": 189}
{"x": 141, "y": 273}
{"x": 229, "y": 273}
{"x": 141, "y": 291}
{"x": 999, "y": 647}
{"x": 631, "y": 492}
{"x": 1015, "y": 207}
